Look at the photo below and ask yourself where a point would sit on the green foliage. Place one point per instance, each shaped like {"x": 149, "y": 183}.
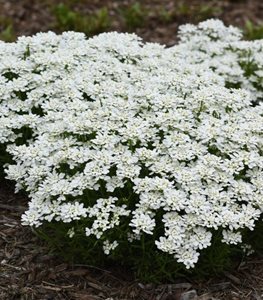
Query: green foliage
{"x": 206, "y": 11}
{"x": 166, "y": 15}
{"x": 134, "y": 16}
{"x": 218, "y": 258}
{"x": 141, "y": 258}
{"x": 183, "y": 9}
{"x": 79, "y": 249}
{"x": 67, "y": 19}
{"x": 199, "y": 12}
{"x": 254, "y": 238}
{"x": 7, "y": 33}
{"x": 253, "y": 31}
{"x": 4, "y": 159}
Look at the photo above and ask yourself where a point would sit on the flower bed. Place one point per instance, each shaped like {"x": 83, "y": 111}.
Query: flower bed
{"x": 135, "y": 145}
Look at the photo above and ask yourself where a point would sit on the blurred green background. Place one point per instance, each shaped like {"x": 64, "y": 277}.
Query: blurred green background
{"x": 154, "y": 20}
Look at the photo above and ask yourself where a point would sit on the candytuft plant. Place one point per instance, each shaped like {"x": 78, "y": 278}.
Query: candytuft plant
{"x": 149, "y": 156}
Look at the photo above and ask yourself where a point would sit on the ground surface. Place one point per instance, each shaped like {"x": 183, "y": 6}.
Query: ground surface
{"x": 27, "y": 269}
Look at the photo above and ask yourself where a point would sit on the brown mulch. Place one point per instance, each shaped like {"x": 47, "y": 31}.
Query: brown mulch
{"x": 27, "y": 269}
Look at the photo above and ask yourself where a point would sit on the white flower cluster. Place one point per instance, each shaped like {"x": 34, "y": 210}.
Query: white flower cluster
{"x": 116, "y": 131}
{"x": 108, "y": 246}
{"x": 212, "y": 45}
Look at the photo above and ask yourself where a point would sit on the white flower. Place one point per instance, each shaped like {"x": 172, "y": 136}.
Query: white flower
{"x": 69, "y": 212}
{"x": 247, "y": 249}
{"x": 71, "y": 232}
{"x": 142, "y": 222}
{"x": 230, "y": 237}
{"x": 108, "y": 246}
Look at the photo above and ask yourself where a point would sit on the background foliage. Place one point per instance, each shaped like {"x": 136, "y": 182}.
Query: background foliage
{"x": 153, "y": 20}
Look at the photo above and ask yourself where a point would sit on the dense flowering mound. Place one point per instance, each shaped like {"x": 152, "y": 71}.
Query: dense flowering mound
{"x": 110, "y": 134}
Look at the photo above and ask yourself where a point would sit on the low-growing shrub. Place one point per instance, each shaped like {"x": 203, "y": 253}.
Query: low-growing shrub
{"x": 145, "y": 154}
